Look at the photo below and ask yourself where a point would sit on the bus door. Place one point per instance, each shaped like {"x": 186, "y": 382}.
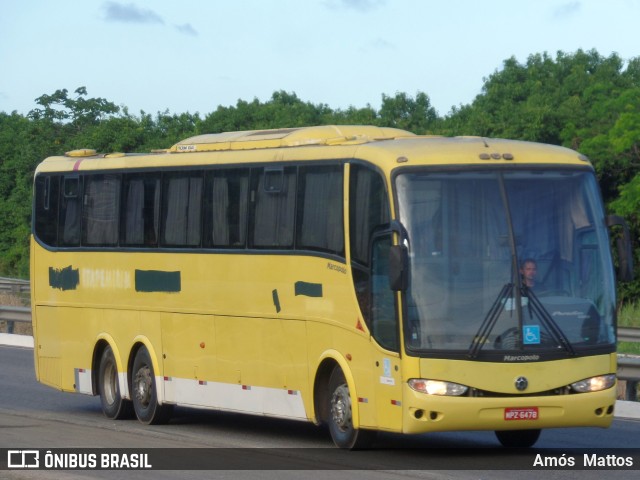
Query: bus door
{"x": 384, "y": 325}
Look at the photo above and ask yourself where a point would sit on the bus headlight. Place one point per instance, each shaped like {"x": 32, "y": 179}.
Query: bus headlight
{"x": 437, "y": 387}
{"x": 594, "y": 384}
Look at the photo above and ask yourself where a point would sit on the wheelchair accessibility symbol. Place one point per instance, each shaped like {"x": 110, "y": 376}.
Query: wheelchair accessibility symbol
{"x": 531, "y": 335}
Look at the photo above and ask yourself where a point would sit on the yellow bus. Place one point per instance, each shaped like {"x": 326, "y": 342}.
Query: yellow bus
{"x": 360, "y": 277}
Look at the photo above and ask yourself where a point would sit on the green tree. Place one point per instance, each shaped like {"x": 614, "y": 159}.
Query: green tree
{"x": 401, "y": 111}
{"x": 354, "y": 116}
{"x": 79, "y": 111}
{"x": 282, "y": 110}
{"x": 557, "y": 101}
{"x": 21, "y": 148}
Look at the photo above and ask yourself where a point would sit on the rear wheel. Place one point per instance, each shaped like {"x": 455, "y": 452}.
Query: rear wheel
{"x": 518, "y": 438}
{"x": 113, "y": 405}
{"x": 144, "y": 391}
{"x": 343, "y": 433}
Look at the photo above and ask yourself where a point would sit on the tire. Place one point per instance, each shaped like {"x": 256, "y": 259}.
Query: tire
{"x": 340, "y": 419}
{"x": 518, "y": 438}
{"x": 113, "y": 405}
{"x": 144, "y": 391}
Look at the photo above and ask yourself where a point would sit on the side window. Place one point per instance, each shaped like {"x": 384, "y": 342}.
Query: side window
{"x": 47, "y": 193}
{"x": 368, "y": 209}
{"x": 140, "y": 210}
{"x": 181, "y": 209}
{"x": 320, "y": 209}
{"x": 384, "y": 327}
{"x": 273, "y": 193}
{"x": 225, "y": 208}
{"x": 70, "y": 212}
{"x": 101, "y": 208}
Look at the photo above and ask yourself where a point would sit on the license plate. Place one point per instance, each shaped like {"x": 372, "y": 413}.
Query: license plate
{"x": 525, "y": 413}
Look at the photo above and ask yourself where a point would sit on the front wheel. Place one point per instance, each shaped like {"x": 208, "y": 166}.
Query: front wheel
{"x": 518, "y": 438}
{"x": 144, "y": 391}
{"x": 113, "y": 405}
{"x": 343, "y": 433}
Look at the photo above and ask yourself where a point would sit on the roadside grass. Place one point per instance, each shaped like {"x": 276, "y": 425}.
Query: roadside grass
{"x": 629, "y": 315}
{"x": 631, "y": 348}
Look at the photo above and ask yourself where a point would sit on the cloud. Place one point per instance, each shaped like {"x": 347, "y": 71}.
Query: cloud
{"x": 119, "y": 12}
{"x": 378, "y": 45}
{"x": 358, "y": 5}
{"x": 130, "y": 13}
{"x": 567, "y": 10}
{"x": 382, "y": 44}
{"x": 187, "y": 29}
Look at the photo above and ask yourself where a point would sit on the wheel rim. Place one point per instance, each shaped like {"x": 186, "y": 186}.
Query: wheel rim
{"x": 143, "y": 386}
{"x": 110, "y": 385}
{"x": 341, "y": 408}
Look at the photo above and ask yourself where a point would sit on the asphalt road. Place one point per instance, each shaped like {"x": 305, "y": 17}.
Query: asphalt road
{"x": 36, "y": 416}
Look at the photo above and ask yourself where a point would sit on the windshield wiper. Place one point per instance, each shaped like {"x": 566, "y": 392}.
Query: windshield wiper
{"x": 547, "y": 320}
{"x": 489, "y": 321}
{"x": 535, "y": 307}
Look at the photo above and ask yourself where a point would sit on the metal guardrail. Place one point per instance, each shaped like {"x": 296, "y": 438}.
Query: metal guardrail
{"x": 628, "y": 334}
{"x": 14, "y": 314}
{"x": 629, "y": 370}
{"x": 628, "y": 367}
{"x": 13, "y": 285}
{"x": 11, "y": 314}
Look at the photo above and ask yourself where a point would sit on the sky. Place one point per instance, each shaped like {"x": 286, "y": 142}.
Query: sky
{"x": 195, "y": 55}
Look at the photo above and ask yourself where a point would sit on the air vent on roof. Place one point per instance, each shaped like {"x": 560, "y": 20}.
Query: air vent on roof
{"x": 81, "y": 152}
{"x": 282, "y": 131}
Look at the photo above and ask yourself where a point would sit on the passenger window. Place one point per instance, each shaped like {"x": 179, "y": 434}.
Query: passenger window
{"x": 101, "y": 210}
{"x": 141, "y": 210}
{"x": 70, "y": 212}
{"x": 181, "y": 209}
{"x": 273, "y": 193}
{"x": 320, "y": 209}
{"x": 226, "y": 207}
{"x": 47, "y": 192}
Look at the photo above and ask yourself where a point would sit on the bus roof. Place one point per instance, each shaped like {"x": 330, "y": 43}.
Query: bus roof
{"x": 387, "y": 147}
{"x": 288, "y": 137}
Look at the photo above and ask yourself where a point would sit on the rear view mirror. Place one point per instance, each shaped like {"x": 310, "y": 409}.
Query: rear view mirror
{"x": 398, "y": 268}
{"x": 623, "y": 244}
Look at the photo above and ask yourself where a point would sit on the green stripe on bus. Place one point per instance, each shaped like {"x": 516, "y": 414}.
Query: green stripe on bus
{"x": 157, "y": 281}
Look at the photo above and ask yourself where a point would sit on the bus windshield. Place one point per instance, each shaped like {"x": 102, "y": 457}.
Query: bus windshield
{"x": 513, "y": 263}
